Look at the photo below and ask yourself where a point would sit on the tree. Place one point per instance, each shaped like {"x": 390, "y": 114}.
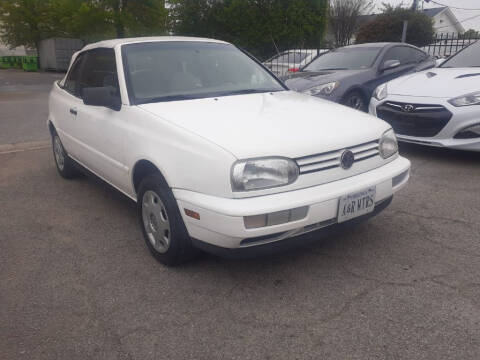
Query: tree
{"x": 388, "y": 26}
{"x": 27, "y": 22}
{"x": 80, "y": 19}
{"x": 259, "y": 26}
{"x": 135, "y": 17}
{"x": 415, "y": 5}
{"x": 343, "y": 16}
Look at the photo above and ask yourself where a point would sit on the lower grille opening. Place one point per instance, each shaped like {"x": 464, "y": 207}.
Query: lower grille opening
{"x": 467, "y": 135}
{"x": 414, "y": 119}
{"x": 287, "y": 234}
{"x": 261, "y": 238}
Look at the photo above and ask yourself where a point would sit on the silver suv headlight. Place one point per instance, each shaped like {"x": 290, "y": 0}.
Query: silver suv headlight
{"x": 381, "y": 92}
{"x": 324, "y": 89}
{"x": 263, "y": 173}
{"x": 466, "y": 100}
{"x": 388, "y": 144}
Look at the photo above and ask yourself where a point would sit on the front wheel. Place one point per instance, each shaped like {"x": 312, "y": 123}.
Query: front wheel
{"x": 355, "y": 100}
{"x": 162, "y": 225}
{"x": 65, "y": 165}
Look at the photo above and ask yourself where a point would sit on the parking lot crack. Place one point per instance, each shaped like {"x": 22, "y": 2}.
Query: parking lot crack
{"x": 347, "y": 305}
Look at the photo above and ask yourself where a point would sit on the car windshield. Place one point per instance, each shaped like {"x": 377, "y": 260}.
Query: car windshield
{"x": 167, "y": 71}
{"x": 469, "y": 57}
{"x": 345, "y": 59}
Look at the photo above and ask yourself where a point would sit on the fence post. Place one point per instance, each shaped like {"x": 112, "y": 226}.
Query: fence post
{"x": 451, "y": 44}
{"x": 434, "y": 38}
{"x": 441, "y": 45}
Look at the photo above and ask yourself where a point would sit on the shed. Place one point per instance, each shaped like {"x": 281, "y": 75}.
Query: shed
{"x": 55, "y": 53}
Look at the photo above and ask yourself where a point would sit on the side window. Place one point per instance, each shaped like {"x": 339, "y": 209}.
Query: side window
{"x": 73, "y": 77}
{"x": 100, "y": 70}
{"x": 400, "y": 53}
{"x": 418, "y": 55}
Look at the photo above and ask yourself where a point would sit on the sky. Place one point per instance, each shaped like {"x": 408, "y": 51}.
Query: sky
{"x": 460, "y": 14}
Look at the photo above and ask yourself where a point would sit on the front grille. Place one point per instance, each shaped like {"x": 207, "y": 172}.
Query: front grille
{"x": 422, "y": 120}
{"x": 331, "y": 159}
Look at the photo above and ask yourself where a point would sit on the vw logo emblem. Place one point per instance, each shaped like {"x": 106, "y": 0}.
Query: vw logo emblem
{"x": 347, "y": 159}
{"x": 408, "y": 108}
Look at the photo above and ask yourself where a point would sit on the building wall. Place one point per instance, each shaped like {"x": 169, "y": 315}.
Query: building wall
{"x": 444, "y": 24}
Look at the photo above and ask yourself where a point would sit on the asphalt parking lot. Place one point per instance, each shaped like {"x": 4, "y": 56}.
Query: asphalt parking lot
{"x": 77, "y": 282}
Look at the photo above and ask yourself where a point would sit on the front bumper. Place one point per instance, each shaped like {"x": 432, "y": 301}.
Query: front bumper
{"x": 297, "y": 239}
{"x": 463, "y": 117}
{"x": 221, "y": 221}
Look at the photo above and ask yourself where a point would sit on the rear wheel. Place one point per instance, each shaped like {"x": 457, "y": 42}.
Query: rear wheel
{"x": 355, "y": 100}
{"x": 65, "y": 165}
{"x": 162, "y": 225}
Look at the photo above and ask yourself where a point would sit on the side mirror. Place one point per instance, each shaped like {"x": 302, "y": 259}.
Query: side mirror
{"x": 102, "y": 96}
{"x": 390, "y": 64}
{"x": 439, "y": 62}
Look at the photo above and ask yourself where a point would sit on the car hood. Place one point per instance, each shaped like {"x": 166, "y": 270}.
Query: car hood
{"x": 283, "y": 123}
{"x": 438, "y": 82}
{"x": 306, "y": 79}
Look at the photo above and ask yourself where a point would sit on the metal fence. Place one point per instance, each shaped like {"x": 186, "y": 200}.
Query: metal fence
{"x": 441, "y": 46}
{"x": 445, "y": 45}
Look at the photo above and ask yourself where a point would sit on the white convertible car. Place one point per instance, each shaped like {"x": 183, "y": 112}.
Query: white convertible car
{"x": 216, "y": 152}
{"x": 438, "y": 107}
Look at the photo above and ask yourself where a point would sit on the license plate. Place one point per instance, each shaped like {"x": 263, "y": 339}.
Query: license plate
{"x": 356, "y": 204}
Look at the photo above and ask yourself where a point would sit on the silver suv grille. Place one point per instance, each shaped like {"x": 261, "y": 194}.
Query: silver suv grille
{"x": 330, "y": 160}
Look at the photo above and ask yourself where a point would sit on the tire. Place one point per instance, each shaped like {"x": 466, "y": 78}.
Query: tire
{"x": 65, "y": 165}
{"x": 355, "y": 100}
{"x": 162, "y": 225}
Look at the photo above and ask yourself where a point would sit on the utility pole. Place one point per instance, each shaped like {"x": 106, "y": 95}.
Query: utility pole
{"x": 404, "y": 33}
{"x": 405, "y": 23}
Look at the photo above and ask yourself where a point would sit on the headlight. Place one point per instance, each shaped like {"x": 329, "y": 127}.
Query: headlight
{"x": 388, "y": 144}
{"x": 381, "y": 92}
{"x": 324, "y": 89}
{"x": 263, "y": 173}
{"x": 466, "y": 100}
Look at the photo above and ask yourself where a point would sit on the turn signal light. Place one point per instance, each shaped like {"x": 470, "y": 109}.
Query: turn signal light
{"x": 192, "y": 214}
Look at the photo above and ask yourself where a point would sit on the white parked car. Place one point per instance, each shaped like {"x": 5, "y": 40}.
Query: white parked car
{"x": 438, "y": 107}
{"x": 291, "y": 60}
{"x": 217, "y": 153}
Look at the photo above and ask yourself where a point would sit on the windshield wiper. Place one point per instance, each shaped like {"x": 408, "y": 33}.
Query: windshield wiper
{"x": 200, "y": 96}
{"x": 166, "y": 98}
{"x": 247, "y": 91}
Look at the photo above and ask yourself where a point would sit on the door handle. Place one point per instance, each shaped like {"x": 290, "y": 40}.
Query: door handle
{"x": 73, "y": 111}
